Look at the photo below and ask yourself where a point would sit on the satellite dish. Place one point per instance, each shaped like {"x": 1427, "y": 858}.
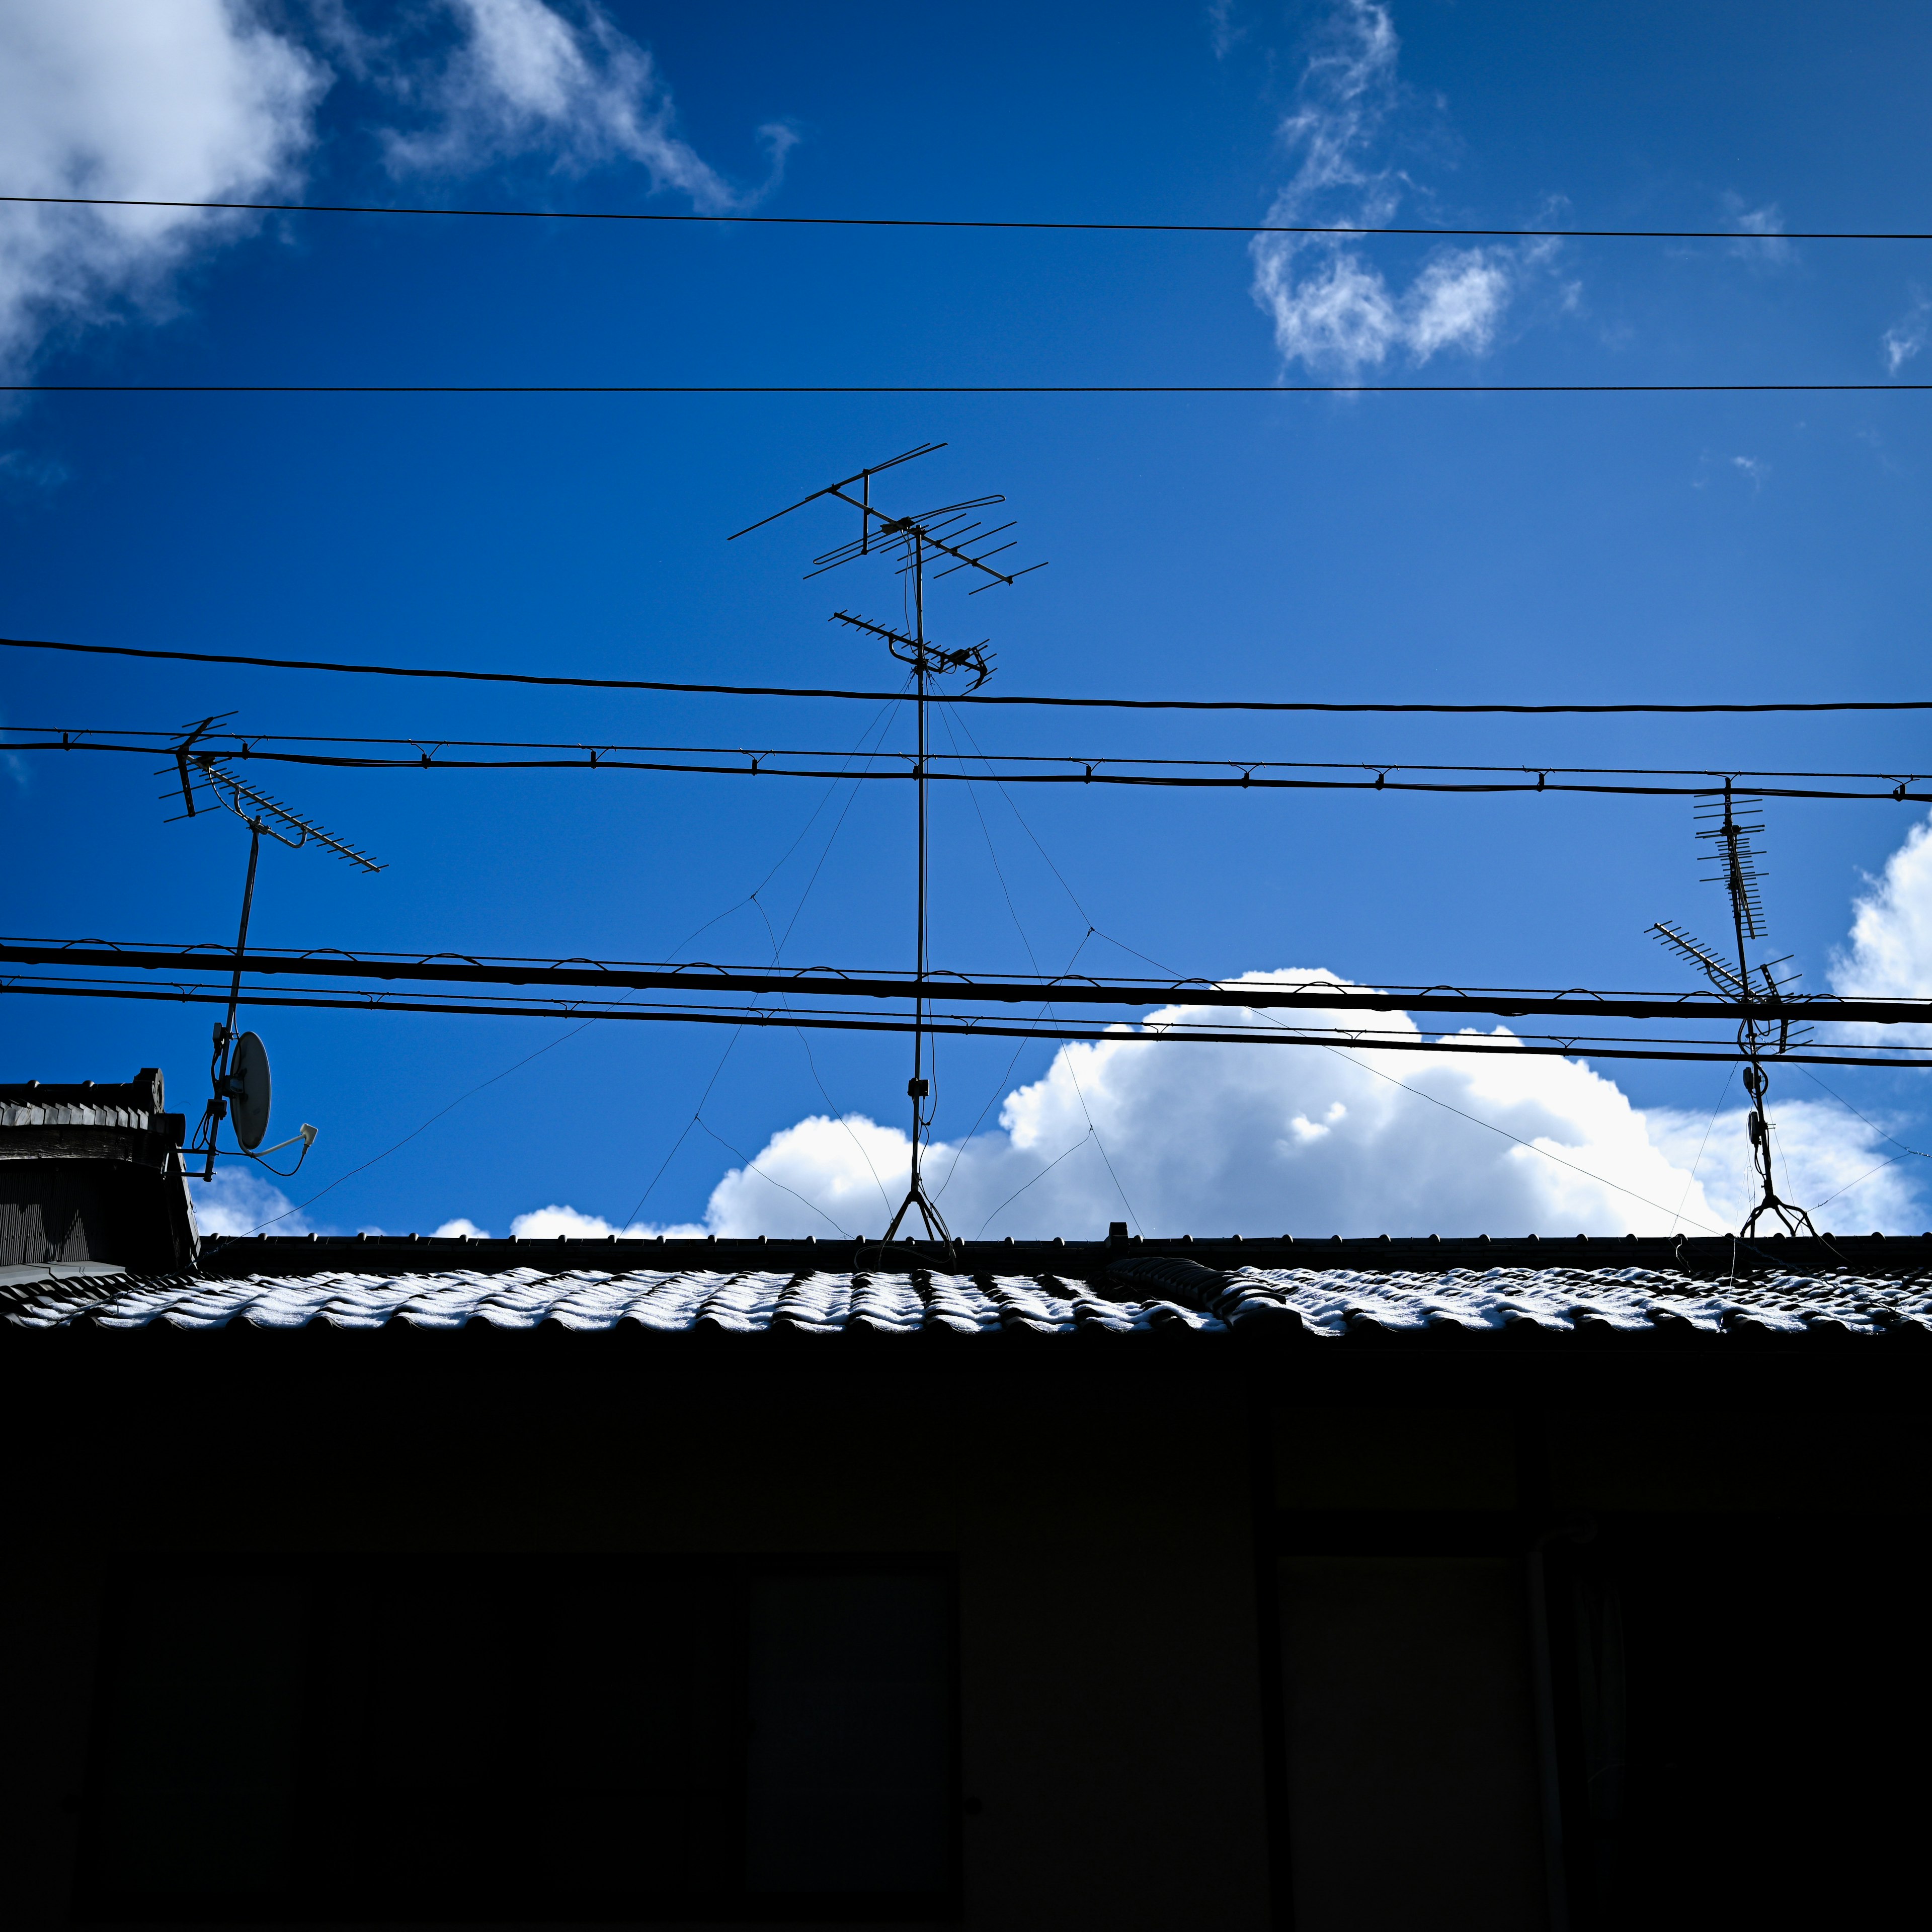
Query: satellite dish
{"x": 248, "y": 1089}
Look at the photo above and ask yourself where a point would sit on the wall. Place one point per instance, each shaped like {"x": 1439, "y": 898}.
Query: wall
{"x": 1102, "y": 1523}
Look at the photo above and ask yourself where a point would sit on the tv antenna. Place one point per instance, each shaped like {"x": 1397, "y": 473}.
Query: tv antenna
{"x": 1729, "y": 824}
{"x": 951, "y": 532}
{"x": 239, "y": 1071}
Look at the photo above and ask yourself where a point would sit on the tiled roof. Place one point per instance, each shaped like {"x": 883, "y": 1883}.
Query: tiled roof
{"x": 69, "y": 1114}
{"x": 1133, "y": 1296}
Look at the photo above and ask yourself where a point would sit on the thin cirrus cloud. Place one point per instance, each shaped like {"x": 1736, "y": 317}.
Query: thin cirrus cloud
{"x": 1906, "y": 336}
{"x": 523, "y": 79}
{"x": 1334, "y": 311}
{"x": 217, "y": 100}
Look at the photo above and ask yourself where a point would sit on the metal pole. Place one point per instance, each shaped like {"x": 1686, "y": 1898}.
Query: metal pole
{"x": 225, "y": 1038}
{"x": 241, "y": 938}
{"x": 919, "y": 994}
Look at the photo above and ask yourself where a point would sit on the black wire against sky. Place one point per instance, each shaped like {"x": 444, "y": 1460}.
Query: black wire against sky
{"x": 953, "y": 388}
{"x": 974, "y": 698}
{"x": 1201, "y": 774}
{"x": 928, "y": 221}
{"x": 230, "y": 742}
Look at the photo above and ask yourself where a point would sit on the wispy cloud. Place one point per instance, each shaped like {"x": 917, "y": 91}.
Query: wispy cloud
{"x": 522, "y": 78}
{"x": 217, "y": 100}
{"x": 1769, "y": 221}
{"x": 1222, "y": 33}
{"x": 1334, "y": 311}
{"x": 1906, "y": 337}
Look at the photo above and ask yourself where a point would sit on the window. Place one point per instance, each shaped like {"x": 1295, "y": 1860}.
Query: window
{"x": 533, "y": 1738}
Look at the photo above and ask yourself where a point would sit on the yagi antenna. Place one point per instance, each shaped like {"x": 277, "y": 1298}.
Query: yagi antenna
{"x": 1729, "y": 823}
{"x": 239, "y": 1070}
{"x": 955, "y": 534}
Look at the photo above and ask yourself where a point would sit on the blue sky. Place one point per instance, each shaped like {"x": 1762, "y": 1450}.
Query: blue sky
{"x": 1521, "y": 548}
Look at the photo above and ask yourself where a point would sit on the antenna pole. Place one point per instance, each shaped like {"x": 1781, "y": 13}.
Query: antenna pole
{"x": 966, "y": 546}
{"x": 1794, "y": 1219}
{"x": 224, "y": 1034}
{"x": 918, "y": 1088}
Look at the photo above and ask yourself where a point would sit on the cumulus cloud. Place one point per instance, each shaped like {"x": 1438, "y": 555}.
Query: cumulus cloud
{"x": 1906, "y": 337}
{"x": 169, "y": 100}
{"x": 206, "y": 100}
{"x": 522, "y": 79}
{"x": 1215, "y": 1139}
{"x": 238, "y": 1200}
{"x": 1333, "y": 310}
{"x": 1889, "y": 956}
{"x": 551, "y": 1223}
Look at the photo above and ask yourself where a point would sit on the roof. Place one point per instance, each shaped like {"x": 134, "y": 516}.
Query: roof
{"x": 1128, "y": 1296}
{"x": 135, "y": 1104}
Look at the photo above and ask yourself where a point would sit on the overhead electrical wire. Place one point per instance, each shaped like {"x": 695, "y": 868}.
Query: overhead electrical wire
{"x": 956, "y": 388}
{"x": 1271, "y": 1033}
{"x": 1321, "y": 707}
{"x": 1216, "y": 774}
{"x": 928, "y": 221}
{"x": 1315, "y": 993}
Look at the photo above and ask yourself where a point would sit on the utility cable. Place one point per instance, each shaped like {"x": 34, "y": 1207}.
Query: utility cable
{"x": 1040, "y": 1176}
{"x": 1690, "y": 1180}
{"x": 426, "y": 752}
{"x": 1321, "y": 707}
{"x": 621, "y": 215}
{"x": 1065, "y": 1058}
{"x": 301, "y": 1207}
{"x": 753, "y": 1166}
{"x": 1474, "y": 1120}
{"x": 959, "y": 389}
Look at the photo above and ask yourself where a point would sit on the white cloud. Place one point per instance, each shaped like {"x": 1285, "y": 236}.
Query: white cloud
{"x": 1333, "y": 310}
{"x": 1906, "y": 337}
{"x": 554, "y": 1222}
{"x": 238, "y": 1200}
{"x": 461, "y": 1225}
{"x": 1828, "y": 1160}
{"x": 204, "y": 100}
{"x": 1754, "y": 467}
{"x": 172, "y": 100}
{"x": 523, "y": 79}
{"x": 1890, "y": 954}
{"x": 1223, "y": 34}
{"x": 1767, "y": 220}
{"x": 1215, "y": 1140}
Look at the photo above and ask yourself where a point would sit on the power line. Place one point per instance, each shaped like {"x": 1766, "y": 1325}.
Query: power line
{"x": 965, "y": 1025}
{"x": 1315, "y": 994}
{"x": 954, "y": 389}
{"x": 922, "y": 221}
{"x": 1213, "y": 774}
{"x": 974, "y": 698}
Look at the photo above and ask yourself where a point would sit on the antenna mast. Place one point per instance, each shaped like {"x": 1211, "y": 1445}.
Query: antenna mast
{"x": 950, "y": 532}
{"x": 261, "y": 813}
{"x": 1738, "y": 872}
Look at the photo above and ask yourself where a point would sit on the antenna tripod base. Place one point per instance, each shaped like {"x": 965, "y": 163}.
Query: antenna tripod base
{"x": 936, "y": 1229}
{"x": 1795, "y": 1219}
